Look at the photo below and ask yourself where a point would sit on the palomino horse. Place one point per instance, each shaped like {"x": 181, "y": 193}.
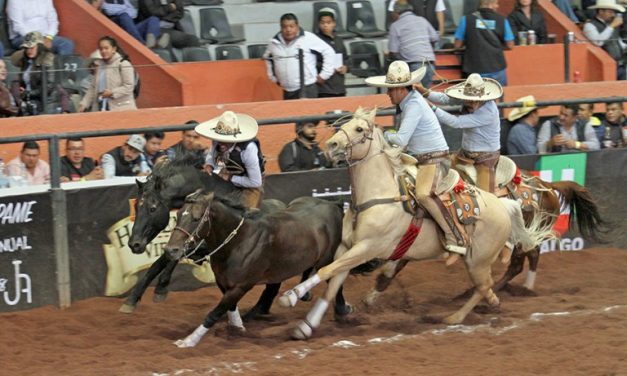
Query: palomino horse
{"x": 373, "y": 232}
{"x": 250, "y": 248}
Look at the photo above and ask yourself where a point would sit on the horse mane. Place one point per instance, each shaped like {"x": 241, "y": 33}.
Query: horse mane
{"x": 168, "y": 168}
{"x": 233, "y": 204}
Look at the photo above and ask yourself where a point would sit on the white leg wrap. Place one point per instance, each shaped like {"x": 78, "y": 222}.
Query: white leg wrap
{"x": 290, "y": 297}
{"x": 531, "y": 280}
{"x": 192, "y": 339}
{"x": 315, "y": 315}
{"x": 235, "y": 319}
{"x": 509, "y": 244}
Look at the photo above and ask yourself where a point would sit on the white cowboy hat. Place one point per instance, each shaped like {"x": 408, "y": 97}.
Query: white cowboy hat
{"x": 529, "y": 105}
{"x": 229, "y": 127}
{"x": 398, "y": 76}
{"x": 607, "y": 4}
{"x": 476, "y": 88}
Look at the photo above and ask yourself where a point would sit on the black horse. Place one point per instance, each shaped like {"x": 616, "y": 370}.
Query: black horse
{"x": 251, "y": 248}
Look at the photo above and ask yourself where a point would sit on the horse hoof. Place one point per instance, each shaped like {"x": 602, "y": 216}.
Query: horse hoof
{"x": 158, "y": 298}
{"x": 307, "y": 297}
{"x": 302, "y": 331}
{"x": 127, "y": 308}
{"x": 451, "y": 320}
{"x": 182, "y": 344}
{"x": 288, "y": 299}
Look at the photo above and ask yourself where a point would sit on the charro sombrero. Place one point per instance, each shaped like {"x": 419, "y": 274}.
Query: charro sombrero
{"x": 229, "y": 127}
{"x": 607, "y": 4}
{"x": 398, "y": 76}
{"x": 529, "y": 104}
{"x": 476, "y": 88}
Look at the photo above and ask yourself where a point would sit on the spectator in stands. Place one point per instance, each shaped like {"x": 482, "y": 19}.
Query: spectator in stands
{"x": 410, "y": 40}
{"x": 8, "y": 104}
{"x": 334, "y": 86}
{"x": 92, "y": 65}
{"x": 522, "y": 137}
{"x": 28, "y": 90}
{"x": 190, "y": 144}
{"x": 169, "y": 13}
{"x": 303, "y": 153}
{"x": 283, "y": 67}
{"x": 152, "y": 151}
{"x": 567, "y": 9}
{"x": 604, "y": 31}
{"x": 528, "y": 16}
{"x": 123, "y": 13}
{"x": 114, "y": 81}
{"x": 25, "y": 16}
{"x": 75, "y": 166}
{"x": 614, "y": 126}
{"x": 485, "y": 33}
{"x": 566, "y": 133}
{"x": 235, "y": 154}
{"x": 29, "y": 166}
{"x": 585, "y": 112}
{"x": 124, "y": 160}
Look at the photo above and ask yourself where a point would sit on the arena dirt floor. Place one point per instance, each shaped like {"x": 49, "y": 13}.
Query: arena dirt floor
{"x": 576, "y": 325}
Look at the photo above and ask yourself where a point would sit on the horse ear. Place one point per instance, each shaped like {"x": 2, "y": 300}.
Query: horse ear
{"x": 140, "y": 185}
{"x": 370, "y": 116}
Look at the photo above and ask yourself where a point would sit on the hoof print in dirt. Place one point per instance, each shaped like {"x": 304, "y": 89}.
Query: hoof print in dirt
{"x": 514, "y": 290}
{"x": 428, "y": 319}
{"x": 486, "y": 309}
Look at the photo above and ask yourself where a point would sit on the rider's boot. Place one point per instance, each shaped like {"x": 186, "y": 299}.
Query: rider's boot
{"x": 485, "y": 178}
{"x": 454, "y": 246}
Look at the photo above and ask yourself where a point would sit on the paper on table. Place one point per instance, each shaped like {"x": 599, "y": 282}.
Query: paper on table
{"x": 338, "y": 61}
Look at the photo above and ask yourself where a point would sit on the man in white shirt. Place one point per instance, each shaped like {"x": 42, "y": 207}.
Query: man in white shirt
{"x": 25, "y": 16}
{"x": 283, "y": 65}
{"x": 604, "y": 31}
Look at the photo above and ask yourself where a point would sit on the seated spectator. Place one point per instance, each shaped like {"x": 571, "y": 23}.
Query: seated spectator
{"x": 304, "y": 152}
{"x": 566, "y": 133}
{"x": 528, "y": 16}
{"x": 8, "y": 105}
{"x": 586, "y": 113}
{"x": 25, "y": 16}
{"x": 75, "y": 166}
{"x": 522, "y": 137}
{"x": 152, "y": 151}
{"x": 114, "y": 80}
{"x": 613, "y": 127}
{"x": 29, "y": 166}
{"x": 123, "y": 13}
{"x": 169, "y": 13}
{"x": 334, "y": 86}
{"x": 28, "y": 90}
{"x": 124, "y": 160}
{"x": 190, "y": 144}
{"x": 604, "y": 31}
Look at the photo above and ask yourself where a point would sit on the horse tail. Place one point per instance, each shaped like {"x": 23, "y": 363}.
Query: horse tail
{"x": 583, "y": 209}
{"x": 530, "y": 236}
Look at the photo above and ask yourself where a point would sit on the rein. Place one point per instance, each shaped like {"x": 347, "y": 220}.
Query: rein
{"x": 195, "y": 235}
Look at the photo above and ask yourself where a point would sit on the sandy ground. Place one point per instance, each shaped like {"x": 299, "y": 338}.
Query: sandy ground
{"x": 576, "y": 325}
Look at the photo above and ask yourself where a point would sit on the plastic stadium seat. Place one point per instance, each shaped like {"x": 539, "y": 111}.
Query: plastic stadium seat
{"x": 186, "y": 24}
{"x": 72, "y": 71}
{"x": 361, "y": 20}
{"x": 164, "y": 54}
{"x": 339, "y": 28}
{"x": 196, "y": 54}
{"x": 364, "y": 58}
{"x": 255, "y": 51}
{"x": 229, "y": 52}
{"x": 214, "y": 26}
{"x": 470, "y": 6}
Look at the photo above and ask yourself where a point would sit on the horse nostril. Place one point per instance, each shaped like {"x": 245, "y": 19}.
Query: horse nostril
{"x": 332, "y": 145}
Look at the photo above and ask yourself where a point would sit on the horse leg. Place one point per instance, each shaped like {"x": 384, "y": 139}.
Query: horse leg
{"x": 136, "y": 294}
{"x": 308, "y": 296}
{"x": 389, "y": 272}
{"x": 534, "y": 258}
{"x": 515, "y": 267}
{"x": 264, "y": 303}
{"x": 229, "y": 301}
{"x": 341, "y": 307}
{"x": 161, "y": 291}
{"x": 482, "y": 279}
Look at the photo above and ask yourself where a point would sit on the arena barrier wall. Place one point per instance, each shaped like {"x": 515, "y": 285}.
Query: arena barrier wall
{"x": 99, "y": 224}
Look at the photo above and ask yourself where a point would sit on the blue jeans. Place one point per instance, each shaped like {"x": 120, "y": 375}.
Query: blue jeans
{"x": 60, "y": 45}
{"x": 138, "y": 30}
{"x": 428, "y": 78}
{"x": 500, "y": 76}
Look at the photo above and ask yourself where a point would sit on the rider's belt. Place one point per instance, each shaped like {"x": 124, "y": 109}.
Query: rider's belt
{"x": 432, "y": 157}
{"x": 480, "y": 157}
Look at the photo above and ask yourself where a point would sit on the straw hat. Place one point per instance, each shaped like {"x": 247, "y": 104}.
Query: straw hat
{"x": 229, "y": 127}
{"x": 607, "y": 4}
{"x": 529, "y": 105}
{"x": 476, "y": 88}
{"x": 398, "y": 76}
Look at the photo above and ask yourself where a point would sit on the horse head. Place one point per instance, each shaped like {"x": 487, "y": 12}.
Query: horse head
{"x": 353, "y": 140}
{"x": 187, "y": 234}
{"x": 152, "y": 214}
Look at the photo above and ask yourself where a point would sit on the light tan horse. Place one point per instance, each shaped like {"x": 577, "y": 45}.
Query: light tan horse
{"x": 375, "y": 231}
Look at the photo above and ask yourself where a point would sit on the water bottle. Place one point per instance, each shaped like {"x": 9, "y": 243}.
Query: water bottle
{"x": 531, "y": 37}
{"x": 4, "y": 181}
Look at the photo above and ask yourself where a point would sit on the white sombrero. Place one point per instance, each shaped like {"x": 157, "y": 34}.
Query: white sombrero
{"x": 476, "y": 88}
{"x": 607, "y": 4}
{"x": 529, "y": 104}
{"x": 398, "y": 76}
{"x": 229, "y": 127}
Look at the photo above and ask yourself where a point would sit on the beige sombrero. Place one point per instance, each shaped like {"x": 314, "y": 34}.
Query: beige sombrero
{"x": 398, "y": 76}
{"x": 229, "y": 127}
{"x": 607, "y": 4}
{"x": 529, "y": 104}
{"x": 476, "y": 88}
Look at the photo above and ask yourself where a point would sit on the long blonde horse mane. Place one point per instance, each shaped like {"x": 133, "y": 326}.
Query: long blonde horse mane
{"x": 393, "y": 153}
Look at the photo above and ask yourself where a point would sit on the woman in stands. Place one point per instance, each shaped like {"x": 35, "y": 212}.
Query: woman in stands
{"x": 114, "y": 81}
{"x": 528, "y": 16}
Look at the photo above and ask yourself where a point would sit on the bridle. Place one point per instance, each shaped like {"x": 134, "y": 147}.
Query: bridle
{"x": 365, "y": 137}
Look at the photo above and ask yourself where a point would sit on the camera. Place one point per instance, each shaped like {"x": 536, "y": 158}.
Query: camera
{"x": 28, "y": 107}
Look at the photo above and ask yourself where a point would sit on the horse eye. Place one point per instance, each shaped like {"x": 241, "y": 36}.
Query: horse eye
{"x": 153, "y": 209}
{"x": 359, "y": 129}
